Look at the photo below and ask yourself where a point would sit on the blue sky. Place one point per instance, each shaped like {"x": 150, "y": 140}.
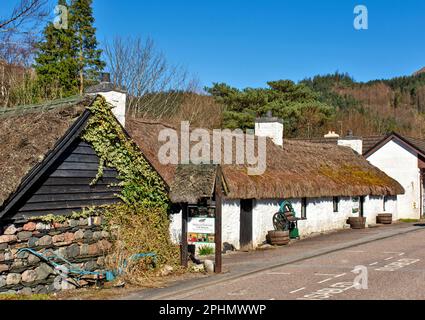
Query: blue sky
{"x": 246, "y": 43}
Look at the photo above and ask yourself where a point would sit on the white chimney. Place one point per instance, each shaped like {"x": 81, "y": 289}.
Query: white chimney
{"x": 352, "y": 142}
{"x": 116, "y": 97}
{"x": 270, "y": 127}
{"x": 331, "y": 135}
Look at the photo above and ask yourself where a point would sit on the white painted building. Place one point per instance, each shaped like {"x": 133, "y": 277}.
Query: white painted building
{"x": 298, "y": 172}
{"x": 320, "y": 217}
{"x": 402, "y": 159}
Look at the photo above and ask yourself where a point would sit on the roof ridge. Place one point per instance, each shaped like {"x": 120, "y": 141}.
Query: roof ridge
{"x": 48, "y": 105}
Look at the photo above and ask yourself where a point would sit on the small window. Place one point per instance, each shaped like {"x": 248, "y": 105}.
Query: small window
{"x": 304, "y": 208}
{"x": 385, "y": 204}
{"x": 336, "y": 204}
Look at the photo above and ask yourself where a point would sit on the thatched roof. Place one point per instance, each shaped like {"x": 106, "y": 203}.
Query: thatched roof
{"x": 193, "y": 182}
{"x": 299, "y": 169}
{"x": 28, "y": 134}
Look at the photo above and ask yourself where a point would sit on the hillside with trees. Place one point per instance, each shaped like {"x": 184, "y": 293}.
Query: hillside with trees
{"x": 374, "y": 107}
{"x": 334, "y": 102}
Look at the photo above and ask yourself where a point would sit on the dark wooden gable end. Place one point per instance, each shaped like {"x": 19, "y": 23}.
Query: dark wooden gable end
{"x": 60, "y": 185}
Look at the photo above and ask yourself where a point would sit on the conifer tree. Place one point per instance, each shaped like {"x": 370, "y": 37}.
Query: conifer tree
{"x": 69, "y": 57}
{"x": 55, "y": 62}
{"x": 85, "y": 45}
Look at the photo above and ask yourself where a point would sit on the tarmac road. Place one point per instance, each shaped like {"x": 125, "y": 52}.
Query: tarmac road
{"x": 392, "y": 268}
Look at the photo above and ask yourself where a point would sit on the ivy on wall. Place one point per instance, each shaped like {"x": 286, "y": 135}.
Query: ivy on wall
{"x": 140, "y": 183}
{"x": 142, "y": 216}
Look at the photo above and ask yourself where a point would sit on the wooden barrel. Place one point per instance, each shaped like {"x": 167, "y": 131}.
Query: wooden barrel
{"x": 278, "y": 238}
{"x": 357, "y": 222}
{"x": 384, "y": 218}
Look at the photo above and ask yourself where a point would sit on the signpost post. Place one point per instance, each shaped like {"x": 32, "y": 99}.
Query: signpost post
{"x": 184, "y": 249}
{"x": 218, "y": 202}
{"x": 201, "y": 224}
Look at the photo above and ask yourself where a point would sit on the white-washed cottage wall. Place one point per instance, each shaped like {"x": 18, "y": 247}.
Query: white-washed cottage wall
{"x": 319, "y": 211}
{"x": 176, "y": 227}
{"x": 231, "y": 212}
{"x": 375, "y": 205}
{"x": 404, "y": 169}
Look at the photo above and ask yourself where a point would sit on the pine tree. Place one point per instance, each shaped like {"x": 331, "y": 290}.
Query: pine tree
{"x": 55, "y": 62}
{"x": 88, "y": 55}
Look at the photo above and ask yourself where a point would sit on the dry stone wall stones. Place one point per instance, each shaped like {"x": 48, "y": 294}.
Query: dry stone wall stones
{"x": 3, "y": 282}
{"x": 97, "y": 235}
{"x": 45, "y": 241}
{"x": 73, "y": 223}
{"x": 4, "y": 268}
{"x": 94, "y": 249}
{"x": 69, "y": 237}
{"x": 41, "y": 290}
{"x": 22, "y": 255}
{"x": 43, "y": 271}
{"x": 25, "y": 291}
{"x": 42, "y": 227}
{"x": 8, "y": 238}
{"x": 88, "y": 235}
{"x": 58, "y": 238}
{"x": 73, "y": 251}
{"x": 30, "y": 226}
{"x": 24, "y": 235}
{"x": 32, "y": 242}
{"x": 29, "y": 276}
{"x": 79, "y": 235}
{"x": 33, "y": 259}
{"x": 13, "y": 279}
{"x": 10, "y": 230}
{"x": 84, "y": 250}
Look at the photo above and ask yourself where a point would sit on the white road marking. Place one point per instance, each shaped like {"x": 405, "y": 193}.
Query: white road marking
{"x": 325, "y": 274}
{"x": 278, "y": 273}
{"x": 340, "y": 275}
{"x": 298, "y": 290}
{"x": 374, "y": 264}
{"x": 399, "y": 253}
{"x": 389, "y": 258}
{"x": 397, "y": 265}
{"x": 237, "y": 293}
{"x": 326, "y": 280}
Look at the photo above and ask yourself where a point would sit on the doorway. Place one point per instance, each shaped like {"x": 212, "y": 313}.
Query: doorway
{"x": 362, "y": 200}
{"x": 245, "y": 231}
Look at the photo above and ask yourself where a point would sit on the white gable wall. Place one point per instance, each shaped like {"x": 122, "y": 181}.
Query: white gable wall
{"x": 401, "y": 165}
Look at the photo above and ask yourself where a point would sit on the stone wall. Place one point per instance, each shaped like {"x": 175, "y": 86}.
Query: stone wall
{"x": 83, "y": 242}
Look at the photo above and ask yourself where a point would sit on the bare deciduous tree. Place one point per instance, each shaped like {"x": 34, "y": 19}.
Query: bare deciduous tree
{"x": 20, "y": 30}
{"x": 24, "y": 12}
{"x": 155, "y": 87}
